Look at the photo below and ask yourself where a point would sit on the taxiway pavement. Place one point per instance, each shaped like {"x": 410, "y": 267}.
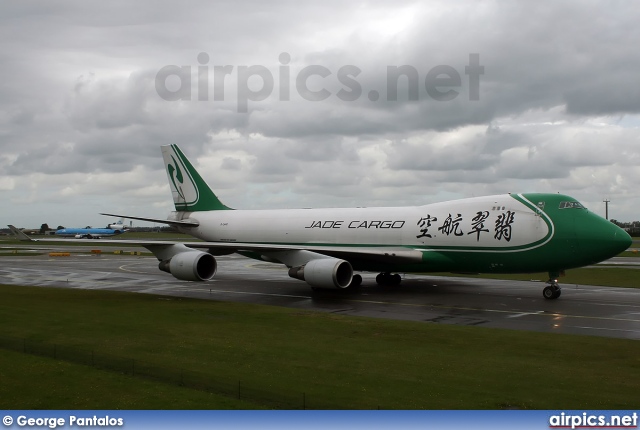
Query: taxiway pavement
{"x": 518, "y": 305}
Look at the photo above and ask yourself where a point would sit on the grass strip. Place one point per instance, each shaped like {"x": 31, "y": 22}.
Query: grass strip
{"x": 337, "y": 361}
{"x": 33, "y": 382}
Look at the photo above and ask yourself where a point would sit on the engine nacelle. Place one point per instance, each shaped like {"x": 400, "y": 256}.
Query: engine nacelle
{"x": 190, "y": 266}
{"x": 324, "y": 273}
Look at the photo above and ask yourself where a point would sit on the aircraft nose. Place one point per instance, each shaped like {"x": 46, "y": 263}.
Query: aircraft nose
{"x": 608, "y": 238}
{"x": 621, "y": 238}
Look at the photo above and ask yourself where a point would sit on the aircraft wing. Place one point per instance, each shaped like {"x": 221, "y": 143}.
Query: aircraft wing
{"x": 382, "y": 254}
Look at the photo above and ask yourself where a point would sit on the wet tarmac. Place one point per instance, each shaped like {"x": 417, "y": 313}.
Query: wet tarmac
{"x": 516, "y": 305}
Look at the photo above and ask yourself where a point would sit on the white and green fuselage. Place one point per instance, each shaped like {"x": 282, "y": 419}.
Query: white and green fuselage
{"x": 505, "y": 233}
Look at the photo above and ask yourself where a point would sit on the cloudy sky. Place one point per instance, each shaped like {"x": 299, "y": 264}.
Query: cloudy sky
{"x": 286, "y": 104}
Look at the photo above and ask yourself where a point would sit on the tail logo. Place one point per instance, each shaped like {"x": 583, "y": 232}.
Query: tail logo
{"x": 178, "y": 176}
{"x": 183, "y": 186}
{"x": 189, "y": 191}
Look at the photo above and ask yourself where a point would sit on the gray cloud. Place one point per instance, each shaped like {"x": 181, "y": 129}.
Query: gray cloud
{"x": 558, "y": 101}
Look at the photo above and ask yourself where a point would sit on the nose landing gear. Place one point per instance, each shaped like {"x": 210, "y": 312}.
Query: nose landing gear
{"x": 553, "y": 290}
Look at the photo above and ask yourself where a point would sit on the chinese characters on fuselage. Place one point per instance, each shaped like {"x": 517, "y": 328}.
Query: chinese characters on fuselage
{"x": 451, "y": 225}
{"x": 503, "y": 226}
{"x": 424, "y": 224}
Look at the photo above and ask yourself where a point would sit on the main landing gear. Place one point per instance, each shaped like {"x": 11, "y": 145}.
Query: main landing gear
{"x": 387, "y": 279}
{"x": 553, "y": 290}
{"x": 356, "y": 281}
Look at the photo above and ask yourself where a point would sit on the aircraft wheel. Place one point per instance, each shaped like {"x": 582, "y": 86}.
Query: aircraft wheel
{"x": 356, "y": 281}
{"x": 354, "y": 286}
{"x": 551, "y": 292}
{"x": 387, "y": 279}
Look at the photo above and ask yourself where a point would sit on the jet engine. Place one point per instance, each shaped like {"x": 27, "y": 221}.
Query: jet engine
{"x": 324, "y": 273}
{"x": 190, "y": 266}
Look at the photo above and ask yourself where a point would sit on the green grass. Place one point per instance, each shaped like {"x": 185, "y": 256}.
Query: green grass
{"x": 33, "y": 382}
{"x": 349, "y": 362}
{"x": 606, "y": 276}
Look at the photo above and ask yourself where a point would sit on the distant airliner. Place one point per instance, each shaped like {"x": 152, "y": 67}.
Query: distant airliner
{"x": 511, "y": 233}
{"x": 92, "y": 233}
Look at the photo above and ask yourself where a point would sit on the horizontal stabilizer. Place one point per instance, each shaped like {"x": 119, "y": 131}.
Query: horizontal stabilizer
{"x": 185, "y": 223}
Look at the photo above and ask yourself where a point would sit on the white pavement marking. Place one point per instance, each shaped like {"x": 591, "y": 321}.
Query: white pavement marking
{"x": 258, "y": 294}
{"x": 524, "y": 314}
{"x": 605, "y": 328}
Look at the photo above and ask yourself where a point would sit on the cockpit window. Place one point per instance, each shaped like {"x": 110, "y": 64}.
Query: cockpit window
{"x": 571, "y": 205}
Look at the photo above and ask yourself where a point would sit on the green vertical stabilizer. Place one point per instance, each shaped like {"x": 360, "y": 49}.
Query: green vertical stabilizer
{"x": 190, "y": 192}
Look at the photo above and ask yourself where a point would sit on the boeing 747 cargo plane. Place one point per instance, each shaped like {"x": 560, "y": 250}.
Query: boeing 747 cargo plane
{"x": 511, "y": 233}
